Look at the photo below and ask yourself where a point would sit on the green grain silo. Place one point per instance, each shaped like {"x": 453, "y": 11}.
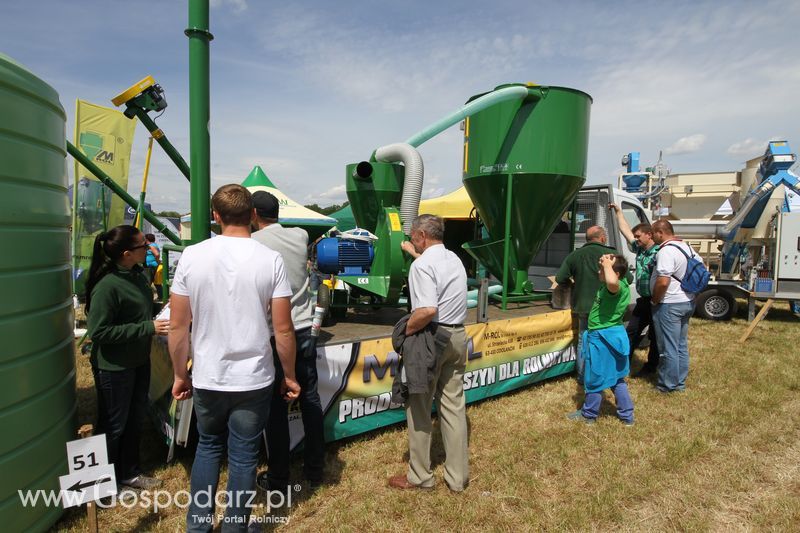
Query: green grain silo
{"x": 524, "y": 162}
{"x": 37, "y": 365}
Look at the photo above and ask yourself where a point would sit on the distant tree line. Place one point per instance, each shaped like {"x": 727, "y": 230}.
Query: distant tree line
{"x": 169, "y": 214}
{"x": 326, "y": 210}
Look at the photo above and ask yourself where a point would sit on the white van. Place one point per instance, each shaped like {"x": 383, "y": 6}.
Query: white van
{"x": 591, "y": 209}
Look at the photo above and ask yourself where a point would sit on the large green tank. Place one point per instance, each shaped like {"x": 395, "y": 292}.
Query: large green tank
{"x": 537, "y": 146}
{"x": 37, "y": 364}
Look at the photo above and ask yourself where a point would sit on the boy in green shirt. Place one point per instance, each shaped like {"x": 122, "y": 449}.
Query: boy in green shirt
{"x": 605, "y": 344}
{"x": 580, "y": 267}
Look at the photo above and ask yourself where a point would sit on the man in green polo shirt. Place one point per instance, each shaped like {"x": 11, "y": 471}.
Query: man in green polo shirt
{"x": 581, "y": 267}
{"x": 640, "y": 241}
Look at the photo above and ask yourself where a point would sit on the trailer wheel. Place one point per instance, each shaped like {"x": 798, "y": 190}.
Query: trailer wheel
{"x": 715, "y": 304}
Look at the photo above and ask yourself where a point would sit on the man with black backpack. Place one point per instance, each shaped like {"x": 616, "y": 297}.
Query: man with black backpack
{"x": 677, "y": 278}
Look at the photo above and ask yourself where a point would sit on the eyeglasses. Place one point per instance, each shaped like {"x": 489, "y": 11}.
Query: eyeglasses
{"x": 145, "y": 245}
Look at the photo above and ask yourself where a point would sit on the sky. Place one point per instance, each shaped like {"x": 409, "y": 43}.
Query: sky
{"x": 303, "y": 88}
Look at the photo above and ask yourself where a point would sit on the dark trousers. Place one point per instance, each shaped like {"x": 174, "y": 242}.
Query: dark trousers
{"x": 305, "y": 369}
{"x": 121, "y": 406}
{"x": 642, "y": 317}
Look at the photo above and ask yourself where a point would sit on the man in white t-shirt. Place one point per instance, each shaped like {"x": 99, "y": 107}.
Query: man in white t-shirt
{"x": 672, "y": 308}
{"x": 437, "y": 285}
{"x": 227, "y": 288}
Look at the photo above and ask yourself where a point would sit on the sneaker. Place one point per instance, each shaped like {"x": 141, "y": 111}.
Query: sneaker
{"x": 578, "y": 417}
{"x": 141, "y": 482}
{"x": 627, "y": 423}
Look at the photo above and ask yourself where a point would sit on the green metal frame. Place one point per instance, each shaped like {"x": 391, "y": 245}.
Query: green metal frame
{"x": 161, "y": 138}
{"x": 119, "y": 191}
{"x": 520, "y": 277}
{"x": 165, "y": 283}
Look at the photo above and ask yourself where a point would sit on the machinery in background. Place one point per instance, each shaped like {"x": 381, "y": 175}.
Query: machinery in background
{"x": 759, "y": 255}
{"x": 648, "y": 184}
{"x": 762, "y": 240}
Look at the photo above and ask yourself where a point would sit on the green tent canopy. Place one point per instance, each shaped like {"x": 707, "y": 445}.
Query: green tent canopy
{"x": 344, "y": 218}
{"x": 291, "y": 213}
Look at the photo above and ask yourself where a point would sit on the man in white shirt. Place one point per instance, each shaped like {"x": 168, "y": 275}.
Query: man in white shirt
{"x": 226, "y": 288}
{"x": 437, "y": 285}
{"x": 672, "y": 308}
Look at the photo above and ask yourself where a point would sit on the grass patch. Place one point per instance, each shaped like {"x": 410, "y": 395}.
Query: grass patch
{"x": 724, "y": 455}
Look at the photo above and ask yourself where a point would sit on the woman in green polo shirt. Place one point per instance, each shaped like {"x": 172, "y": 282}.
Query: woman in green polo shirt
{"x": 119, "y": 307}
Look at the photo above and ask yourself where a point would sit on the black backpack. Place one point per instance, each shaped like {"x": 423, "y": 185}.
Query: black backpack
{"x": 697, "y": 276}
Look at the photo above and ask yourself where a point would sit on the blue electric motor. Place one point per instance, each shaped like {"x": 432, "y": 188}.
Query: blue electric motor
{"x": 344, "y": 256}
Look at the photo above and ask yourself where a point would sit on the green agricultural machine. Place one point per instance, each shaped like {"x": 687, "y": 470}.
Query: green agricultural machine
{"x": 525, "y": 149}
{"x": 524, "y": 163}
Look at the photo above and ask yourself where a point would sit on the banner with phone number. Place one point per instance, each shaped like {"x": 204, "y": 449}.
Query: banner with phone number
{"x": 355, "y": 379}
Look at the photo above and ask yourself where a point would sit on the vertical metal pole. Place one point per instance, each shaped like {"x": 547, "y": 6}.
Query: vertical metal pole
{"x": 138, "y": 222}
{"x": 199, "y": 117}
{"x": 85, "y": 432}
{"x": 507, "y": 244}
{"x": 103, "y": 208}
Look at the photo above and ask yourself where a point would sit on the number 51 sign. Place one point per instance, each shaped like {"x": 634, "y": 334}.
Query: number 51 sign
{"x": 90, "y": 476}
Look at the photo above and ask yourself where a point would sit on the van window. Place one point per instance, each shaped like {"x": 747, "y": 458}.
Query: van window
{"x": 633, "y": 214}
{"x": 591, "y": 210}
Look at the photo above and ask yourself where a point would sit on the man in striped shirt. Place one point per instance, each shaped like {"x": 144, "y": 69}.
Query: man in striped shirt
{"x": 640, "y": 240}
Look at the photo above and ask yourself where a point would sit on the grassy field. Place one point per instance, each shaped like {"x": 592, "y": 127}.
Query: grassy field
{"x": 724, "y": 455}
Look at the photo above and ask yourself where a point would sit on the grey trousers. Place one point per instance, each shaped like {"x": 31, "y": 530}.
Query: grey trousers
{"x": 448, "y": 391}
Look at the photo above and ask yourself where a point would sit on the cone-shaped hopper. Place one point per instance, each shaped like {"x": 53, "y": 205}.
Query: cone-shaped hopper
{"x": 537, "y": 203}
{"x": 537, "y": 146}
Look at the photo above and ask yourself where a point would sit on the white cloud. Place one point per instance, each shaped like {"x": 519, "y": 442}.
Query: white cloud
{"x": 335, "y": 194}
{"x": 748, "y": 148}
{"x": 432, "y": 192}
{"x": 237, "y": 6}
{"x": 686, "y": 145}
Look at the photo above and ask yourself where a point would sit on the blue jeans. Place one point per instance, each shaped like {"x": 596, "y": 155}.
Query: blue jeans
{"x": 583, "y": 324}
{"x": 672, "y": 335}
{"x": 305, "y": 369}
{"x": 238, "y": 417}
{"x": 593, "y": 400}
{"x": 121, "y": 406}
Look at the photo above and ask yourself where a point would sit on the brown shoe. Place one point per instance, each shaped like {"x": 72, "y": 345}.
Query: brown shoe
{"x": 402, "y": 482}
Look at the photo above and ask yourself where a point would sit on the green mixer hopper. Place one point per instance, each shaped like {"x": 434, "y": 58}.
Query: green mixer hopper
{"x": 524, "y": 162}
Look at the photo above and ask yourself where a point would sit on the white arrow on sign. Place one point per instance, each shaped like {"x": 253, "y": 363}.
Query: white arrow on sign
{"x": 89, "y": 484}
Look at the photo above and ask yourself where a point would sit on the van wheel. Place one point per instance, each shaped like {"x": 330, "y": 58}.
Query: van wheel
{"x": 715, "y": 304}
